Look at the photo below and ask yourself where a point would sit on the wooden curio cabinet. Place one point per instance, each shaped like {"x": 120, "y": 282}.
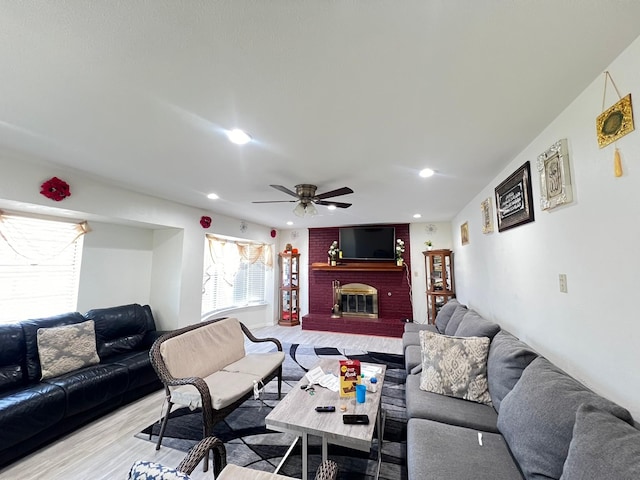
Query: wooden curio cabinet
{"x": 289, "y": 315}
{"x": 440, "y": 280}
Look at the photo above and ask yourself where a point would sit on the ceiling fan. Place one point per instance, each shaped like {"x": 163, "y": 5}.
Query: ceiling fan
{"x": 306, "y": 197}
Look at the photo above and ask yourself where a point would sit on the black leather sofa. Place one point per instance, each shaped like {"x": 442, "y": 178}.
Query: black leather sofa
{"x": 33, "y": 412}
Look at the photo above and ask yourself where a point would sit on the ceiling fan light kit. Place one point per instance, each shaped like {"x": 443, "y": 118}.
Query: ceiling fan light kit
{"x": 306, "y": 198}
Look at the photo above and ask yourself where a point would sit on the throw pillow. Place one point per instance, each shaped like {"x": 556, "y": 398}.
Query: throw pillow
{"x": 536, "y": 418}
{"x": 67, "y": 348}
{"x": 445, "y": 313}
{"x": 508, "y": 357}
{"x": 603, "y": 446}
{"x": 154, "y": 471}
{"x": 454, "y": 321}
{"x": 454, "y": 366}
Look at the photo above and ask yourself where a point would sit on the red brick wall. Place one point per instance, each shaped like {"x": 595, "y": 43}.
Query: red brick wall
{"x": 397, "y": 305}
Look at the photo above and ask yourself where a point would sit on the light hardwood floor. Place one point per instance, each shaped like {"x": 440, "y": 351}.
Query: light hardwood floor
{"x": 106, "y": 448}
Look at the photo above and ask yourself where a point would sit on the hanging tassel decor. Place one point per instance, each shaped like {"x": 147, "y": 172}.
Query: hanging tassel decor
{"x": 617, "y": 163}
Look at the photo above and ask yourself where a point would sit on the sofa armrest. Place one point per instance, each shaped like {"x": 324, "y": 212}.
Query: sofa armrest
{"x": 201, "y": 450}
{"x": 254, "y": 339}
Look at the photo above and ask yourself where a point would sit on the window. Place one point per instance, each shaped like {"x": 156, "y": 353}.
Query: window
{"x": 39, "y": 267}
{"x": 235, "y": 274}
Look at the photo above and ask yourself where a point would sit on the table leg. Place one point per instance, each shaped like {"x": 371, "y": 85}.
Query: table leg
{"x": 325, "y": 449}
{"x": 305, "y": 446}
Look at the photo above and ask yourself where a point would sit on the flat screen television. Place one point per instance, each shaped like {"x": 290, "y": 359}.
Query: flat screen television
{"x": 368, "y": 243}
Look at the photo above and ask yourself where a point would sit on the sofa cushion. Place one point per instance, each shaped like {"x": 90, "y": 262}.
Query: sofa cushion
{"x": 416, "y": 327}
{"x": 537, "y": 417}
{"x": 445, "y": 313}
{"x": 454, "y": 321}
{"x": 508, "y": 357}
{"x": 455, "y": 366}
{"x": 204, "y": 350}
{"x": 121, "y": 329}
{"x": 261, "y": 364}
{"x": 12, "y": 356}
{"x": 413, "y": 359}
{"x": 92, "y": 387}
{"x": 603, "y": 446}
{"x": 474, "y": 325}
{"x": 224, "y": 387}
{"x": 437, "y": 451}
{"x": 30, "y": 328}
{"x": 67, "y": 348}
{"x": 451, "y": 410}
{"x": 412, "y": 338}
{"x": 138, "y": 365}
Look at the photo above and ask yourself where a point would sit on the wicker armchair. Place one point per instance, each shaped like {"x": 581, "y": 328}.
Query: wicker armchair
{"x": 210, "y": 414}
{"x": 153, "y": 471}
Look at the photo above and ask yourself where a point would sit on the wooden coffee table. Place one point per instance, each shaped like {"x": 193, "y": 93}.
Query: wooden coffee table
{"x": 296, "y": 414}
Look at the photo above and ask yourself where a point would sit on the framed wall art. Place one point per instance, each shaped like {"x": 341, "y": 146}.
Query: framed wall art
{"x": 555, "y": 176}
{"x": 487, "y": 216}
{"x": 464, "y": 233}
{"x": 514, "y": 203}
{"x": 615, "y": 122}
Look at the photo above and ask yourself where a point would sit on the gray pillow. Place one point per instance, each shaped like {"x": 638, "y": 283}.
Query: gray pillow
{"x": 603, "y": 446}
{"x": 474, "y": 325}
{"x": 444, "y": 315}
{"x": 508, "y": 357}
{"x": 454, "y": 366}
{"x": 454, "y": 321}
{"x": 67, "y": 348}
{"x": 536, "y": 418}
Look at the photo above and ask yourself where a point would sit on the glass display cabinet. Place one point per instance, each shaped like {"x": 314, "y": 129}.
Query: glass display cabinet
{"x": 289, "y": 289}
{"x": 441, "y": 288}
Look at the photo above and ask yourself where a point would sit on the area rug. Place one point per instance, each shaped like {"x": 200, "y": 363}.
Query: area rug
{"x": 250, "y": 444}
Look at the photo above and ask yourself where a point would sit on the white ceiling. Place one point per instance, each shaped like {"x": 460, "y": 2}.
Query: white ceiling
{"x": 334, "y": 93}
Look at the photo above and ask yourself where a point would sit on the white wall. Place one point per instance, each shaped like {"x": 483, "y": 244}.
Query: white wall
{"x": 116, "y": 266}
{"x": 593, "y": 331}
{"x": 168, "y": 275}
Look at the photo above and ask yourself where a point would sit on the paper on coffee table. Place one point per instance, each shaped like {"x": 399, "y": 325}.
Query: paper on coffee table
{"x": 326, "y": 380}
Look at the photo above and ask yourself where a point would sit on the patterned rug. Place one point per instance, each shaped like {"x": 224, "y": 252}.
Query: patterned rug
{"x": 250, "y": 444}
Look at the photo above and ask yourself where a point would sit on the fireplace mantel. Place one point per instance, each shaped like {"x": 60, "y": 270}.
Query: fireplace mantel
{"x": 358, "y": 267}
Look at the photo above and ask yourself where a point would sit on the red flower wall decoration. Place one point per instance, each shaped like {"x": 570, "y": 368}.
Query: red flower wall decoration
{"x": 55, "y": 189}
{"x": 205, "y": 221}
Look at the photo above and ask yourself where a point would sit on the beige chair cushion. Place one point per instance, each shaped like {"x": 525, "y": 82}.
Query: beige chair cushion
{"x": 234, "y": 472}
{"x": 224, "y": 387}
{"x": 204, "y": 350}
{"x": 261, "y": 364}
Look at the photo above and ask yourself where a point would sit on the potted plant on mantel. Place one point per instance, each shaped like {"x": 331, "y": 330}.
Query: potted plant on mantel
{"x": 333, "y": 253}
{"x": 429, "y": 245}
{"x": 399, "y": 251}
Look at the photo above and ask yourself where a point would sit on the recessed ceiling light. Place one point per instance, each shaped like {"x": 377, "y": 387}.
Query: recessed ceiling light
{"x": 213, "y": 196}
{"x": 427, "y": 172}
{"x": 289, "y": 222}
{"x": 417, "y": 215}
{"x": 237, "y": 136}
{"x": 332, "y": 207}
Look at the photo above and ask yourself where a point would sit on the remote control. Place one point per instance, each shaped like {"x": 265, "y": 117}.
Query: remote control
{"x": 329, "y": 408}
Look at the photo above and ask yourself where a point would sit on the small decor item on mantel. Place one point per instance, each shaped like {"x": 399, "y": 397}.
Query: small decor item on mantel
{"x": 399, "y": 251}
{"x": 429, "y": 245}
{"x": 333, "y": 253}
{"x": 55, "y": 189}
{"x": 614, "y": 123}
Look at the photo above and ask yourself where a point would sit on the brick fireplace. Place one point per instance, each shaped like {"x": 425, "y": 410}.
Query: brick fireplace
{"x": 390, "y": 282}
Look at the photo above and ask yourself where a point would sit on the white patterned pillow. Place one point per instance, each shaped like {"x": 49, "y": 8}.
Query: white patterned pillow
{"x": 154, "y": 471}
{"x": 455, "y": 366}
{"x": 67, "y": 348}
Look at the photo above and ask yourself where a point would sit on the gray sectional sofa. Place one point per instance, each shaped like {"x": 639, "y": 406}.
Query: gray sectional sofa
{"x": 540, "y": 424}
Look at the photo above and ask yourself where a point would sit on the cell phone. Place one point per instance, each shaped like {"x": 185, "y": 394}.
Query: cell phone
{"x": 350, "y": 419}
{"x": 328, "y": 408}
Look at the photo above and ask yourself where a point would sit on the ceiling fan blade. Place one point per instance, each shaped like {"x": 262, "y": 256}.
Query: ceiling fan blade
{"x": 334, "y": 193}
{"x": 277, "y": 201}
{"x": 285, "y": 190}
{"x": 337, "y": 204}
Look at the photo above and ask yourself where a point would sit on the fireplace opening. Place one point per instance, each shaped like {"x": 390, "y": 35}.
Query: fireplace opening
{"x": 358, "y": 300}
